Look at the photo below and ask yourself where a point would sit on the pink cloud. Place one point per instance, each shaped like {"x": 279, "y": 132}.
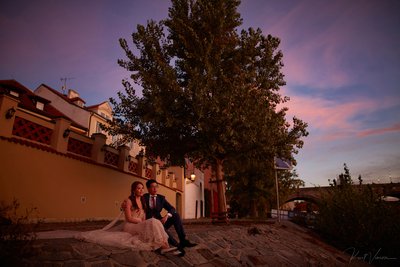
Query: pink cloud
{"x": 315, "y": 64}
{"x": 326, "y": 114}
{"x": 394, "y": 128}
{"x": 332, "y": 120}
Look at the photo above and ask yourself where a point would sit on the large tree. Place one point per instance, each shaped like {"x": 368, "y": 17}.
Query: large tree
{"x": 208, "y": 92}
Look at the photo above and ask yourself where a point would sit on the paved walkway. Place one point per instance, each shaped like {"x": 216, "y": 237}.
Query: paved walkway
{"x": 271, "y": 244}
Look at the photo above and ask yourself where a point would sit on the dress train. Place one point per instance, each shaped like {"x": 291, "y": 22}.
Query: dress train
{"x": 147, "y": 235}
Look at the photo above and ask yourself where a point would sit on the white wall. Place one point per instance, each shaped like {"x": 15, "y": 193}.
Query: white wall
{"x": 80, "y": 115}
{"x": 194, "y": 191}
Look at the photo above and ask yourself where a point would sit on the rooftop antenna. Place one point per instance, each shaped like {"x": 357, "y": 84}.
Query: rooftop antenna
{"x": 64, "y": 86}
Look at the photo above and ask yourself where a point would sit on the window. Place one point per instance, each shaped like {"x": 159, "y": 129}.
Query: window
{"x": 104, "y": 115}
{"x": 13, "y": 93}
{"x": 40, "y": 105}
{"x": 98, "y": 128}
{"x": 78, "y": 102}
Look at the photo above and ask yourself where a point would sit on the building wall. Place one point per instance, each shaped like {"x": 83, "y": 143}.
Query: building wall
{"x": 135, "y": 148}
{"x": 94, "y": 120}
{"x": 63, "y": 188}
{"x": 194, "y": 196}
{"x": 78, "y": 114}
{"x": 83, "y": 116}
{"x": 67, "y": 184}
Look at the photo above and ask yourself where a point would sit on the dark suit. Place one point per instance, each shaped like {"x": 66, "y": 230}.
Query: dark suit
{"x": 175, "y": 220}
{"x": 161, "y": 203}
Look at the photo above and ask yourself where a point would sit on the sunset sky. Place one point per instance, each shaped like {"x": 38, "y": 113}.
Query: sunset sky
{"x": 342, "y": 67}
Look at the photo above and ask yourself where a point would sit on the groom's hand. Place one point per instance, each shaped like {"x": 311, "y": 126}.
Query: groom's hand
{"x": 164, "y": 219}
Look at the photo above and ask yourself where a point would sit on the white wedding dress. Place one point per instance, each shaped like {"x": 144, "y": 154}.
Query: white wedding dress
{"x": 146, "y": 235}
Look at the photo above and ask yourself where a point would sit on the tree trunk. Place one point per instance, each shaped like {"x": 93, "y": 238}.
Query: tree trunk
{"x": 253, "y": 208}
{"x": 253, "y": 212}
{"x": 220, "y": 187}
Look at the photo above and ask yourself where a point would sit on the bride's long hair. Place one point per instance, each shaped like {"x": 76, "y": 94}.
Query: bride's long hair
{"x": 132, "y": 197}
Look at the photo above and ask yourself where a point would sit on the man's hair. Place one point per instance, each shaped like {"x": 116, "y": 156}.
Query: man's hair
{"x": 149, "y": 182}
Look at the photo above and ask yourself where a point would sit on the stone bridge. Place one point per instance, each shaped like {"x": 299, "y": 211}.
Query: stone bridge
{"x": 313, "y": 194}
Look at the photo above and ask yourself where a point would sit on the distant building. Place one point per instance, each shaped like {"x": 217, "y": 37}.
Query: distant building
{"x": 74, "y": 107}
{"x": 48, "y": 160}
{"x": 92, "y": 116}
{"x": 37, "y": 105}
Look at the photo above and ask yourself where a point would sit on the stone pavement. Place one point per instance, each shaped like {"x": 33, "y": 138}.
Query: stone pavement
{"x": 268, "y": 244}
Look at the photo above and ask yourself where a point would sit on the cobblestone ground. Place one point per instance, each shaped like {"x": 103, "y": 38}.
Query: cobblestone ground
{"x": 273, "y": 244}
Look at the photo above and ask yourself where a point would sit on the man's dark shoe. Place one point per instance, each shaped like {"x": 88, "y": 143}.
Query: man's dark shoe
{"x": 187, "y": 244}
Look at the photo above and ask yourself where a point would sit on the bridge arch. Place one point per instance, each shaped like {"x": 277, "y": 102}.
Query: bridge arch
{"x": 309, "y": 194}
{"x": 311, "y": 199}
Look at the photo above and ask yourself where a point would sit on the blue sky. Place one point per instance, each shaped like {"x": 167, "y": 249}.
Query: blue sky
{"x": 342, "y": 66}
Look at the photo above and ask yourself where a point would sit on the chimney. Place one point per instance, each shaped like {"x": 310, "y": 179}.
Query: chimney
{"x": 72, "y": 94}
{"x": 75, "y": 98}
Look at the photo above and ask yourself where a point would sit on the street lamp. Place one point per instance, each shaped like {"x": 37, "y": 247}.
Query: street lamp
{"x": 10, "y": 113}
{"x": 186, "y": 168}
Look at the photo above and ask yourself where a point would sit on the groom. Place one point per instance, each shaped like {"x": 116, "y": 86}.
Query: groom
{"x": 155, "y": 204}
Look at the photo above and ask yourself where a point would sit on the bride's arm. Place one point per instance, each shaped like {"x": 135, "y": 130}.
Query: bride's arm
{"x": 128, "y": 213}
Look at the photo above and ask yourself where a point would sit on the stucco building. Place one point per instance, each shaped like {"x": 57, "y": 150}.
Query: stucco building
{"x": 48, "y": 160}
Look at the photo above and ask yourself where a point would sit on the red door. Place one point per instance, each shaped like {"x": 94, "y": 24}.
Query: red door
{"x": 215, "y": 201}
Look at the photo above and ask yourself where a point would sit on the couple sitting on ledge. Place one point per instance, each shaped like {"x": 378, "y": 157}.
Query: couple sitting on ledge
{"x": 144, "y": 227}
{"x": 143, "y": 218}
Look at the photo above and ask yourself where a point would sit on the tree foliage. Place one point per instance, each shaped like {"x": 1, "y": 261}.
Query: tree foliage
{"x": 209, "y": 92}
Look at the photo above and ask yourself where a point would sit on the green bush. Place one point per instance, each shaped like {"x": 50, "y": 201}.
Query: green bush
{"x": 356, "y": 219}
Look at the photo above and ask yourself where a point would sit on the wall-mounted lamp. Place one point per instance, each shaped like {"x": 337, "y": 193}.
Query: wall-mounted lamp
{"x": 66, "y": 133}
{"x": 10, "y": 113}
{"x": 192, "y": 177}
{"x": 128, "y": 158}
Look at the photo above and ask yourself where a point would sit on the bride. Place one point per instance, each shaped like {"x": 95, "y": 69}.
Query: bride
{"x": 135, "y": 233}
{"x": 149, "y": 231}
